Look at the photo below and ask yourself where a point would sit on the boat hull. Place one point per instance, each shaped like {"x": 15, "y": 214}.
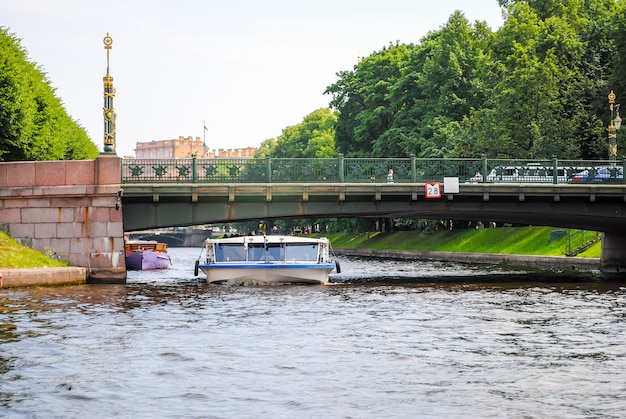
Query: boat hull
{"x": 267, "y": 273}
{"x": 146, "y": 261}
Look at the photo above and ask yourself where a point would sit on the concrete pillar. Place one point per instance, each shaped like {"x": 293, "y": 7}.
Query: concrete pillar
{"x": 613, "y": 254}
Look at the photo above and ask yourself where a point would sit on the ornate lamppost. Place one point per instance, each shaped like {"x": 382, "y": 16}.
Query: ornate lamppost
{"x": 109, "y": 111}
{"x": 614, "y": 125}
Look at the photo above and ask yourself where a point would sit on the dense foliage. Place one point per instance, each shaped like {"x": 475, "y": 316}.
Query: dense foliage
{"x": 314, "y": 137}
{"x": 33, "y": 122}
{"x": 535, "y": 88}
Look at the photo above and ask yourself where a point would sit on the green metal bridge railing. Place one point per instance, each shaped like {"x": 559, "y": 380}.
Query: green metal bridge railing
{"x": 360, "y": 170}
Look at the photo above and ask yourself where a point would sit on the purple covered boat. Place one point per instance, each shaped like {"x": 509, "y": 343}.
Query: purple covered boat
{"x": 142, "y": 255}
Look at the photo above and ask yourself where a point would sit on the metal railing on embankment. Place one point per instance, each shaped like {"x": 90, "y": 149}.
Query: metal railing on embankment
{"x": 359, "y": 170}
{"x": 577, "y": 241}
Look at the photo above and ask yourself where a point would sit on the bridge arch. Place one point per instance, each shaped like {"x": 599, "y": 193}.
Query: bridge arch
{"x": 588, "y": 207}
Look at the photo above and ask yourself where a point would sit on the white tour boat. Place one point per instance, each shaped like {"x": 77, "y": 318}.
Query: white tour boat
{"x": 267, "y": 260}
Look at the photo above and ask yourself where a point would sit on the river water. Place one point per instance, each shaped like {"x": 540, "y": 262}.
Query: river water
{"x": 390, "y": 339}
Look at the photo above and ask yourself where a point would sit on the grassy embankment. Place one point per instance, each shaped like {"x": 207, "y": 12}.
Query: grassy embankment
{"x": 14, "y": 255}
{"x": 507, "y": 240}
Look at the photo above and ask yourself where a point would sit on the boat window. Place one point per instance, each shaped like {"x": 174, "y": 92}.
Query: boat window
{"x": 229, "y": 252}
{"x": 256, "y": 251}
{"x": 306, "y": 251}
{"x": 275, "y": 252}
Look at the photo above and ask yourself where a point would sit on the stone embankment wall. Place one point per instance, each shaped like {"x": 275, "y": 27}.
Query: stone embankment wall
{"x": 71, "y": 275}
{"x": 534, "y": 261}
{"x": 69, "y": 210}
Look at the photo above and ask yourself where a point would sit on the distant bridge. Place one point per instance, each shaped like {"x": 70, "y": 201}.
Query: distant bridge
{"x": 174, "y": 237}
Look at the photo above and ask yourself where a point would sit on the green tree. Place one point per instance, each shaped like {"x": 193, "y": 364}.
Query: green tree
{"x": 538, "y": 105}
{"x": 411, "y": 99}
{"x": 441, "y": 84}
{"x": 33, "y": 122}
{"x": 361, "y": 97}
{"x": 535, "y": 88}
{"x": 571, "y": 49}
{"x": 615, "y": 24}
{"x": 313, "y": 137}
{"x": 266, "y": 149}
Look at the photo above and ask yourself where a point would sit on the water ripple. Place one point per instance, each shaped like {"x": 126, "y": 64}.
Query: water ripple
{"x": 392, "y": 339}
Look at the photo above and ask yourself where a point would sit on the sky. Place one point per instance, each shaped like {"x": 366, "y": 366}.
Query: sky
{"x": 245, "y": 69}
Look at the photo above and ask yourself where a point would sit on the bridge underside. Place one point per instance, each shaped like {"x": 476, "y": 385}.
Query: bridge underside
{"x": 579, "y": 213}
{"x": 566, "y": 206}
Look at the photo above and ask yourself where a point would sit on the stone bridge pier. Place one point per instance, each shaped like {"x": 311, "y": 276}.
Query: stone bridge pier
{"x": 613, "y": 254}
{"x": 68, "y": 209}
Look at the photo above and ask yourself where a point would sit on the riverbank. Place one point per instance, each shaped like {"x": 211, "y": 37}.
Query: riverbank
{"x": 21, "y": 266}
{"x": 533, "y": 247}
{"x": 535, "y": 241}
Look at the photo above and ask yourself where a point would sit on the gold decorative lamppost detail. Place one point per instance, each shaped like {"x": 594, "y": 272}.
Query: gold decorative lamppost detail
{"x": 614, "y": 125}
{"x": 109, "y": 111}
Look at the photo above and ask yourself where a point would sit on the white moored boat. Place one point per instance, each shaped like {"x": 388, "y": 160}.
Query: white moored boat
{"x": 267, "y": 260}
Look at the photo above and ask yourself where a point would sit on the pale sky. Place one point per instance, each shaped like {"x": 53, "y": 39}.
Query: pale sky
{"x": 246, "y": 68}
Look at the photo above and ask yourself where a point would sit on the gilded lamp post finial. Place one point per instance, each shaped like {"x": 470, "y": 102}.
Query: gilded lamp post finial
{"x": 614, "y": 125}
{"x": 109, "y": 110}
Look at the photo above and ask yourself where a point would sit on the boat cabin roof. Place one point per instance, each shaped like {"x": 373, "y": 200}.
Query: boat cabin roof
{"x": 272, "y": 239}
{"x": 142, "y": 242}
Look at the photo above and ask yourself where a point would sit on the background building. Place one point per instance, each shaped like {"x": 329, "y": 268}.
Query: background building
{"x": 185, "y": 147}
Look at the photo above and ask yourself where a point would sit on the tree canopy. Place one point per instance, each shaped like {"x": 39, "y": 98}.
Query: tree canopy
{"x": 535, "y": 88}
{"x": 33, "y": 122}
{"x": 313, "y": 137}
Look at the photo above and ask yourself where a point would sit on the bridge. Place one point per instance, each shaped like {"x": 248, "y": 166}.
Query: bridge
{"x": 165, "y": 193}
{"x": 174, "y": 237}
{"x": 80, "y": 210}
